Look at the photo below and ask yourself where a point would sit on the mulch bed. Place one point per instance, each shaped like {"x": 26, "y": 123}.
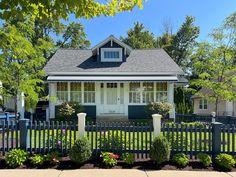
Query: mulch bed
{"x": 67, "y": 164}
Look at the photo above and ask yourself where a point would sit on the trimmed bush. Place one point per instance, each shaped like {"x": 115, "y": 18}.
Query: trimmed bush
{"x": 80, "y": 151}
{"x": 109, "y": 159}
{"x": 180, "y": 159}
{"x": 16, "y": 157}
{"x": 158, "y": 108}
{"x": 204, "y": 159}
{"x": 160, "y": 150}
{"x": 225, "y": 161}
{"x": 37, "y": 159}
{"x": 128, "y": 158}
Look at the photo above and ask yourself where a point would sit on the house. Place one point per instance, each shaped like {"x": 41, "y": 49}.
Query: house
{"x": 205, "y": 107}
{"x": 112, "y": 79}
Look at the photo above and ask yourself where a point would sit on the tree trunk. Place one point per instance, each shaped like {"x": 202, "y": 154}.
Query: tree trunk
{"x": 15, "y": 101}
{"x": 216, "y": 106}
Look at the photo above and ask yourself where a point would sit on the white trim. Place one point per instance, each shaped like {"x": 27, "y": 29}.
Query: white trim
{"x": 112, "y": 78}
{"x": 203, "y": 103}
{"x": 111, "y": 59}
{"x": 114, "y": 73}
{"x": 114, "y": 39}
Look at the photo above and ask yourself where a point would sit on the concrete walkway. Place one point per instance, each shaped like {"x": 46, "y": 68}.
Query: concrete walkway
{"x": 111, "y": 173}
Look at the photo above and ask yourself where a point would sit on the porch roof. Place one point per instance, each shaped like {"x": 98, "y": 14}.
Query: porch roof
{"x": 112, "y": 78}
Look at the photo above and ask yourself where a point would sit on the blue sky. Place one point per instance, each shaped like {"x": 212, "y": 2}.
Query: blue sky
{"x": 209, "y": 14}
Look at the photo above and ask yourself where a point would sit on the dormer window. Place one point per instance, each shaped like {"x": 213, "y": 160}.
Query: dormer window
{"x": 111, "y": 54}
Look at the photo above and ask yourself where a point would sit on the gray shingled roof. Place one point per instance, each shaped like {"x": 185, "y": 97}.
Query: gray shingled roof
{"x": 144, "y": 60}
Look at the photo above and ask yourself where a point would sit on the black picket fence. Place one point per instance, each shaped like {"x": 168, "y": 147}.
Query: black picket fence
{"x": 43, "y": 137}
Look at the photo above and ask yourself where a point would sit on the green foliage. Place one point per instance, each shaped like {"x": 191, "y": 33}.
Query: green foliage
{"x": 16, "y": 157}
{"x": 205, "y": 159}
{"x": 53, "y": 158}
{"x": 160, "y": 150}
{"x": 184, "y": 108}
{"x": 158, "y": 108}
{"x": 37, "y": 159}
{"x": 128, "y": 158}
{"x": 80, "y": 151}
{"x": 116, "y": 141}
{"x": 225, "y": 161}
{"x": 138, "y": 37}
{"x": 69, "y": 110}
{"x": 180, "y": 159}
{"x": 109, "y": 159}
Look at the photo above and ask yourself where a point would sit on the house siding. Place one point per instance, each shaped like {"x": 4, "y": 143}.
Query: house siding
{"x": 137, "y": 112}
{"x": 114, "y": 45}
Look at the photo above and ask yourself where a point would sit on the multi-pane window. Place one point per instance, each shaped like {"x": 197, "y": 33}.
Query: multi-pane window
{"x": 202, "y": 104}
{"x": 62, "y": 91}
{"x": 111, "y": 54}
{"x": 148, "y": 92}
{"x": 75, "y": 92}
{"x": 134, "y": 92}
{"x": 161, "y": 92}
{"x": 89, "y": 92}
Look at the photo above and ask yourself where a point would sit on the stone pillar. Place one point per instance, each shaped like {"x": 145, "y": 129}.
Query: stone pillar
{"x": 156, "y": 124}
{"x": 170, "y": 98}
{"x": 81, "y": 124}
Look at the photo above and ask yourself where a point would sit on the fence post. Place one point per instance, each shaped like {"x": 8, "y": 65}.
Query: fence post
{"x": 23, "y": 123}
{"x": 216, "y": 138}
{"x": 81, "y": 124}
{"x": 156, "y": 124}
{"x": 7, "y": 117}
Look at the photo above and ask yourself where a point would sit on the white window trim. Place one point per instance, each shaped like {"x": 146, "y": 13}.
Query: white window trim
{"x": 203, "y": 103}
{"x": 111, "y": 59}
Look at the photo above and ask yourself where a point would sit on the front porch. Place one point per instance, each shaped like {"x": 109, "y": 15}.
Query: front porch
{"x": 111, "y": 99}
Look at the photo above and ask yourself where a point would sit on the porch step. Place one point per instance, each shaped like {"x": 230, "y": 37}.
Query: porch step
{"x": 112, "y": 118}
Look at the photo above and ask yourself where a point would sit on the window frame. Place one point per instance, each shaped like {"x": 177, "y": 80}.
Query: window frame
{"x": 62, "y": 93}
{"x": 103, "y": 59}
{"x": 202, "y": 103}
{"x": 88, "y": 93}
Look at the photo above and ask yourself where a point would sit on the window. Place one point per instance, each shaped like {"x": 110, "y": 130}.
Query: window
{"x": 89, "y": 92}
{"x": 134, "y": 93}
{"x": 202, "y": 104}
{"x": 75, "y": 92}
{"x": 161, "y": 92}
{"x": 111, "y": 54}
{"x": 62, "y": 91}
{"x": 148, "y": 92}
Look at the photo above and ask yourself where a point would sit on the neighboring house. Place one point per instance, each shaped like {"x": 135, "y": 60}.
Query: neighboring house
{"x": 112, "y": 79}
{"x": 204, "y": 107}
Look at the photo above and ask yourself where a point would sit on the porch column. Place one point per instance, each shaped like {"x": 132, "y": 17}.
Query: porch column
{"x": 229, "y": 108}
{"x": 170, "y": 98}
{"x": 21, "y": 104}
{"x": 52, "y": 96}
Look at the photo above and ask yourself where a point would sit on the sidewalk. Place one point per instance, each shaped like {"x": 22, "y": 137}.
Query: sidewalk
{"x": 111, "y": 173}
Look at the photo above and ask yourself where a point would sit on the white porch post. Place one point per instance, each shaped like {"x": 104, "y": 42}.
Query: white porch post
{"x": 170, "y": 98}
{"x": 21, "y": 104}
{"x": 229, "y": 108}
{"x": 52, "y": 95}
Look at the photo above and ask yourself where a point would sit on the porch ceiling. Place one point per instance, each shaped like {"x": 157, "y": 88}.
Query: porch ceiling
{"x": 112, "y": 78}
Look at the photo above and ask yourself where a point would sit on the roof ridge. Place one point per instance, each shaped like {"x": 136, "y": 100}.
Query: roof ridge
{"x": 150, "y": 49}
{"x": 72, "y": 49}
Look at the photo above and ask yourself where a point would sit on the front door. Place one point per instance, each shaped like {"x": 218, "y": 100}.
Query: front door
{"x": 113, "y": 97}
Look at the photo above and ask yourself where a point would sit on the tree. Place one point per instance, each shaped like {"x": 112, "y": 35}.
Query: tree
{"x": 183, "y": 42}
{"x": 20, "y": 61}
{"x": 53, "y": 9}
{"x": 214, "y": 63}
{"x": 138, "y": 37}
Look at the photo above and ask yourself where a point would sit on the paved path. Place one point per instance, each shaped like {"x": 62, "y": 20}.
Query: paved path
{"x": 111, "y": 173}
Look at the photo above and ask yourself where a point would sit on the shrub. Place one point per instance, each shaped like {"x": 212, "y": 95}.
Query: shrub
{"x": 180, "y": 159}
{"x": 159, "y": 108}
{"x": 80, "y": 151}
{"x": 116, "y": 141}
{"x": 16, "y": 157}
{"x": 128, "y": 158}
{"x": 109, "y": 159}
{"x": 69, "y": 111}
{"x": 225, "y": 161}
{"x": 53, "y": 158}
{"x": 37, "y": 159}
{"x": 160, "y": 150}
{"x": 205, "y": 159}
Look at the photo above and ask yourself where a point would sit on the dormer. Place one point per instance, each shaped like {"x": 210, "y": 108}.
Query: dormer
{"x": 111, "y": 50}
